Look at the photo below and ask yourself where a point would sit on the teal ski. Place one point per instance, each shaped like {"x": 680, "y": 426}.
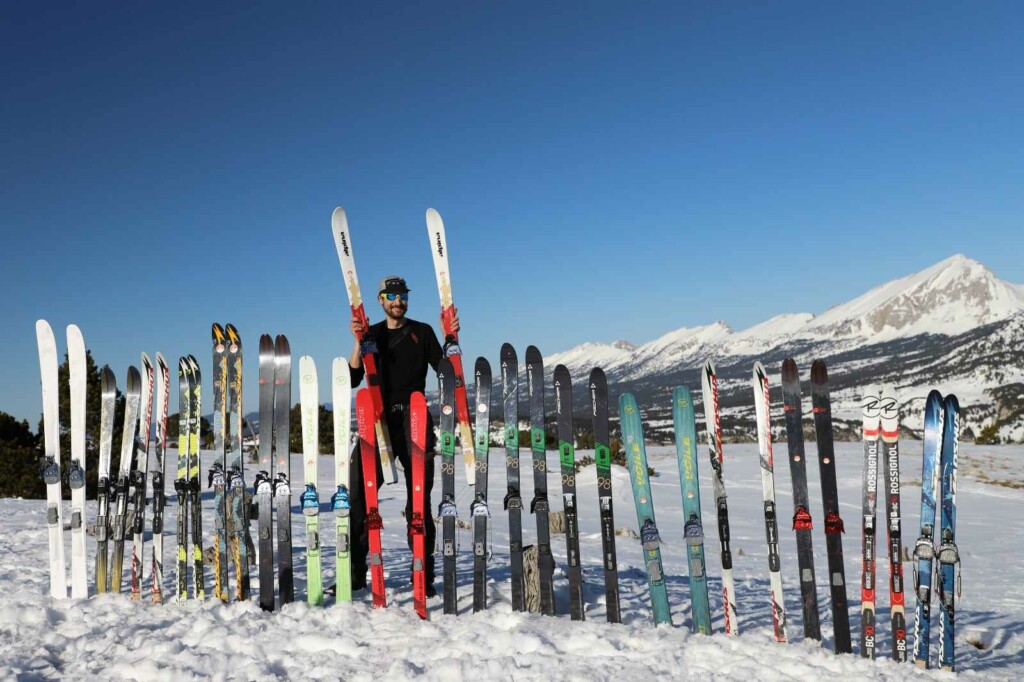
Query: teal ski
{"x": 686, "y": 452}
{"x": 636, "y": 457}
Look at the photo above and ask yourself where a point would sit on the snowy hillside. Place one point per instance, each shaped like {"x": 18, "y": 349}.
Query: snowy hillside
{"x": 953, "y": 325}
{"x": 111, "y": 637}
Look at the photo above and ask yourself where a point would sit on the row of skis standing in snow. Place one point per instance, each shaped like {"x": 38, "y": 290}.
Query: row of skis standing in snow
{"x": 272, "y": 492}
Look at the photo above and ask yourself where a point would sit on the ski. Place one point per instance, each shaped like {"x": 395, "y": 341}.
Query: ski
{"x": 263, "y": 484}
{"x": 890, "y": 413}
{"x": 163, "y": 394}
{"x": 567, "y": 459}
{"x": 446, "y": 509}
{"x": 108, "y": 405}
{"x": 238, "y": 507}
{"x": 822, "y": 405}
{"x": 76, "y": 467}
{"x": 367, "y": 347}
{"x": 802, "y": 522}
{"x": 341, "y": 396}
{"x": 948, "y": 555}
{"x": 282, "y": 483}
{"x": 762, "y": 408}
{"x": 140, "y": 471}
{"x": 181, "y": 479}
{"x": 713, "y": 426}
{"x": 133, "y": 396}
{"x": 452, "y": 350}
{"x": 870, "y": 407}
{"x": 309, "y": 399}
{"x": 51, "y": 459}
{"x": 684, "y": 421}
{"x": 513, "y": 501}
{"x": 478, "y": 509}
{"x": 924, "y": 549}
{"x": 603, "y": 460}
{"x": 366, "y": 418}
{"x": 194, "y": 497}
{"x": 218, "y": 469}
{"x": 418, "y": 437}
{"x": 540, "y": 505}
{"x": 650, "y": 540}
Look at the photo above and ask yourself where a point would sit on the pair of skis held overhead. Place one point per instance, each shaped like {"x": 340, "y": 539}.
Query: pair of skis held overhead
{"x": 367, "y": 348}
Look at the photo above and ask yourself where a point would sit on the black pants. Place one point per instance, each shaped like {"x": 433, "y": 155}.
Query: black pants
{"x": 398, "y": 430}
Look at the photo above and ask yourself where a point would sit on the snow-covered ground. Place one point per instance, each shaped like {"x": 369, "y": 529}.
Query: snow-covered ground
{"x": 111, "y": 637}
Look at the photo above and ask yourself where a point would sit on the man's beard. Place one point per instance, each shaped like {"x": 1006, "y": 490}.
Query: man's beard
{"x": 399, "y": 315}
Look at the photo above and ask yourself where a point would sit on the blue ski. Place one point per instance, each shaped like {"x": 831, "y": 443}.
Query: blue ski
{"x": 924, "y": 550}
{"x": 947, "y": 554}
{"x": 636, "y": 456}
{"x": 686, "y": 452}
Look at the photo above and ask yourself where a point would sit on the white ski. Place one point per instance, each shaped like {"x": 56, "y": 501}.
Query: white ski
{"x": 367, "y": 349}
{"x": 76, "y": 469}
{"x": 51, "y": 463}
{"x": 439, "y": 250}
{"x": 762, "y": 407}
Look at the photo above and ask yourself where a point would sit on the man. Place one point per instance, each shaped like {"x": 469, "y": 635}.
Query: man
{"x": 405, "y": 348}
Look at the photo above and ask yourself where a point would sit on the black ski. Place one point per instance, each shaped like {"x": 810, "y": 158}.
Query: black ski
{"x": 194, "y": 494}
{"x": 513, "y": 497}
{"x": 282, "y": 489}
{"x": 263, "y": 484}
{"x": 478, "y": 509}
{"x": 830, "y": 498}
{"x": 603, "y": 459}
{"x": 540, "y": 505}
{"x": 447, "y": 510}
{"x": 802, "y": 522}
{"x": 567, "y": 459}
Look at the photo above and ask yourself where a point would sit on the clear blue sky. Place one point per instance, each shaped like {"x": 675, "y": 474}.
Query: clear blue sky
{"x": 605, "y": 169}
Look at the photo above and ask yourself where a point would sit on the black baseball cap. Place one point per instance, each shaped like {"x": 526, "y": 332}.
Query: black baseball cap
{"x": 393, "y": 284}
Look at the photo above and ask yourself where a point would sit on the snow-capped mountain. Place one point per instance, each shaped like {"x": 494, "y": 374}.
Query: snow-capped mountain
{"x": 954, "y": 326}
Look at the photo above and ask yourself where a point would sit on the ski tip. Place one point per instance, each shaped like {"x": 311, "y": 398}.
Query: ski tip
{"x": 482, "y": 368}
{"x": 759, "y": 372}
{"x": 819, "y": 372}
{"x": 217, "y": 333}
{"x": 193, "y": 362}
{"x": 134, "y": 380}
{"x": 340, "y": 373}
{"x": 709, "y": 368}
{"x": 433, "y": 216}
{"x": 146, "y": 362}
{"x": 338, "y": 218}
{"x": 281, "y": 345}
{"x": 790, "y": 374}
{"x": 43, "y": 327}
{"x": 597, "y": 377}
{"x": 161, "y": 361}
{"x": 74, "y": 335}
{"x": 232, "y": 333}
{"x": 951, "y": 404}
{"x": 681, "y": 397}
{"x": 108, "y": 384}
{"x": 533, "y": 355}
{"x": 561, "y": 374}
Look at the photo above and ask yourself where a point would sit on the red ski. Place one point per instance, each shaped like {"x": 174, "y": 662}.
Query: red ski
{"x": 418, "y": 429}
{"x": 366, "y": 418}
